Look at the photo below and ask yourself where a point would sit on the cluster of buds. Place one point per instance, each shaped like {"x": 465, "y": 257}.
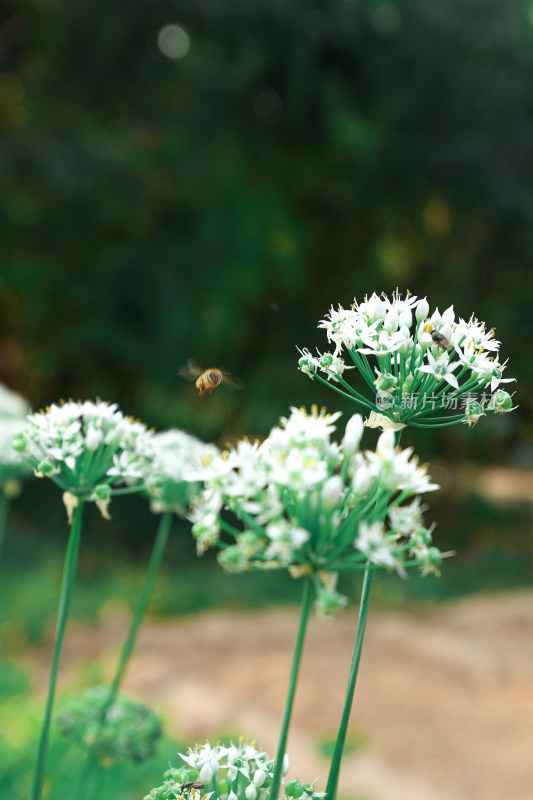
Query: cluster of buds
{"x": 122, "y": 730}
{"x": 302, "y": 501}
{"x": 415, "y": 355}
{"x": 227, "y": 772}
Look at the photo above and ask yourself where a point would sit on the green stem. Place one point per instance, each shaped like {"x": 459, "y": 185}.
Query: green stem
{"x": 84, "y": 776}
{"x": 297, "y": 657}
{"x": 333, "y": 779}
{"x": 154, "y": 564}
{"x": 4, "y": 511}
{"x": 354, "y": 396}
{"x": 142, "y": 603}
{"x": 67, "y": 583}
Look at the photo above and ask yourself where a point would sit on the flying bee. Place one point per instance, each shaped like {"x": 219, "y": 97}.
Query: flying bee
{"x": 206, "y": 380}
{"x": 441, "y": 341}
{"x": 191, "y": 785}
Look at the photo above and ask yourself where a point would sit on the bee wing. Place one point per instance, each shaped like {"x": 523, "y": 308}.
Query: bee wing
{"x": 190, "y": 371}
{"x": 229, "y": 382}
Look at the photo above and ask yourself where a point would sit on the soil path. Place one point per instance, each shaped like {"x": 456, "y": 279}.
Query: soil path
{"x": 444, "y": 698}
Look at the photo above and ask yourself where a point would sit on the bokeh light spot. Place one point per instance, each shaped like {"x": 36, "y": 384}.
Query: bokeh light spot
{"x": 173, "y": 41}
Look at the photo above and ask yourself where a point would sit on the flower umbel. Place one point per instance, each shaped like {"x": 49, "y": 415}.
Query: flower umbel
{"x": 227, "y": 772}
{"x": 128, "y": 730}
{"x": 304, "y": 502}
{"x": 87, "y": 449}
{"x": 421, "y": 370}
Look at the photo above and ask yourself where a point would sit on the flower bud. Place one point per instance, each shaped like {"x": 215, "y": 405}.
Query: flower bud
{"x": 206, "y": 774}
{"x": 436, "y": 318}
{"x": 305, "y": 364}
{"x": 405, "y": 317}
{"x": 259, "y": 777}
{"x": 391, "y": 322}
{"x": 332, "y": 491}
{"x": 46, "y": 468}
{"x": 250, "y": 792}
{"x": 375, "y": 308}
{"x": 94, "y": 438}
{"x": 473, "y": 412}
{"x": 501, "y": 402}
{"x": 385, "y": 381}
{"x": 294, "y": 788}
{"x": 422, "y": 310}
{"x": 352, "y": 436}
{"x": 448, "y": 316}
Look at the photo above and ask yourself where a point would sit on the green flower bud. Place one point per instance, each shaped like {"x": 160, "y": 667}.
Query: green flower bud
{"x": 294, "y": 788}
{"x": 233, "y": 559}
{"x": 102, "y": 491}
{"x": 19, "y": 443}
{"x": 325, "y": 361}
{"x": 502, "y": 401}
{"x": 46, "y": 468}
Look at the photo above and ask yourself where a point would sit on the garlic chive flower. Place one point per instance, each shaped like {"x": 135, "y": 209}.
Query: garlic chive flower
{"x": 303, "y": 502}
{"x": 88, "y": 449}
{"x": 13, "y": 469}
{"x": 174, "y": 454}
{"x": 232, "y": 772}
{"x": 419, "y": 368}
{"x": 129, "y": 730}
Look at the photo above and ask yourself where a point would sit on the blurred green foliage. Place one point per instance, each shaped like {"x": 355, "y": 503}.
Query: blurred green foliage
{"x": 214, "y": 206}
{"x": 21, "y": 718}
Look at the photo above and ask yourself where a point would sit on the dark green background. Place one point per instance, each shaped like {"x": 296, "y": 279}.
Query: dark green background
{"x": 215, "y": 206}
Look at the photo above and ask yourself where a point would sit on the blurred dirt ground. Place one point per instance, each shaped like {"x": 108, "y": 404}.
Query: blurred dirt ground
{"x": 444, "y": 701}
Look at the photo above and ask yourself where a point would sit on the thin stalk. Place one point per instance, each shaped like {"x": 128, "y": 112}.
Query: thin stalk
{"x": 354, "y": 397}
{"x": 67, "y": 583}
{"x": 154, "y": 564}
{"x": 4, "y": 511}
{"x": 297, "y": 657}
{"x": 84, "y": 776}
{"x": 333, "y": 779}
{"x": 434, "y": 424}
{"x": 142, "y": 603}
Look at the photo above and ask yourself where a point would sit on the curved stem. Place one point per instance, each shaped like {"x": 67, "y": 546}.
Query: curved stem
{"x": 333, "y": 779}
{"x": 67, "y": 583}
{"x": 142, "y": 603}
{"x": 154, "y": 564}
{"x": 297, "y": 657}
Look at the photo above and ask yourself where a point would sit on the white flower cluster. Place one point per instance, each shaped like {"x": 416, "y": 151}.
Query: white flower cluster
{"x": 303, "y": 502}
{"x": 13, "y": 411}
{"x": 175, "y": 455}
{"x": 86, "y": 448}
{"x": 418, "y": 355}
{"x": 232, "y": 772}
